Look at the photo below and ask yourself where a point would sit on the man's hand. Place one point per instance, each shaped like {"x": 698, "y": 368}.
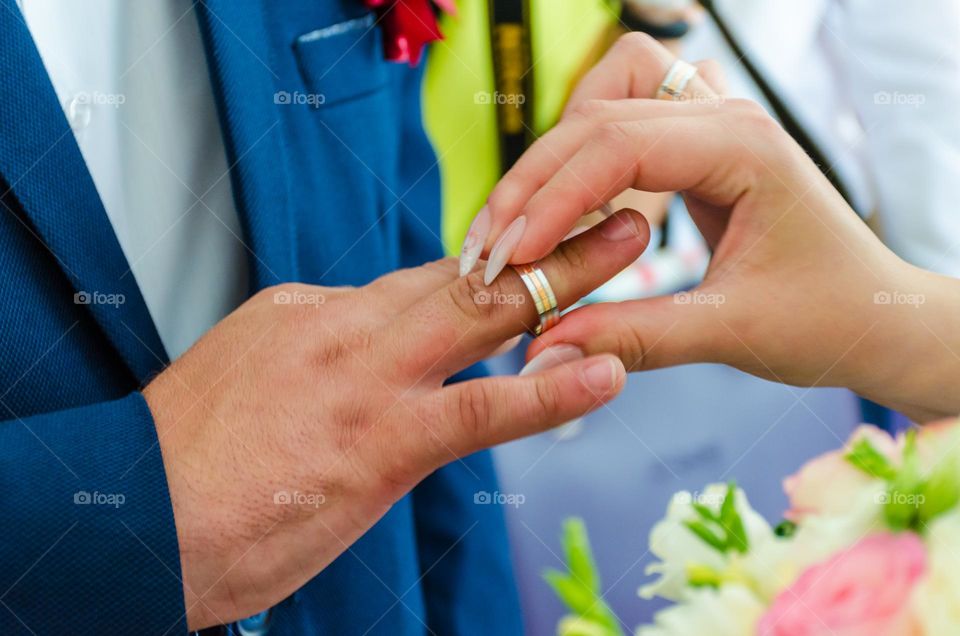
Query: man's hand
{"x": 291, "y": 427}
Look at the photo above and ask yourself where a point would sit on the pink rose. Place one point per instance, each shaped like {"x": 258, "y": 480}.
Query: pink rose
{"x": 828, "y": 483}
{"x": 863, "y": 591}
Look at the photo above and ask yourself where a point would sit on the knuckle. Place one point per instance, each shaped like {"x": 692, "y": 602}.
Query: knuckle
{"x": 447, "y": 267}
{"x": 504, "y": 198}
{"x": 472, "y": 411}
{"x": 636, "y": 43}
{"x": 502, "y": 194}
{"x": 752, "y": 115}
{"x": 590, "y": 109}
{"x": 547, "y": 395}
{"x": 340, "y": 346}
{"x": 711, "y": 69}
{"x": 269, "y": 294}
{"x": 615, "y": 135}
{"x": 468, "y": 296}
{"x": 630, "y": 346}
{"x": 763, "y": 134}
{"x": 572, "y": 256}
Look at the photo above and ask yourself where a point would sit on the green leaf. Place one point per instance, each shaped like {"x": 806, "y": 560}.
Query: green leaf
{"x": 724, "y": 530}
{"x": 574, "y": 595}
{"x": 576, "y": 549}
{"x": 579, "y": 626}
{"x": 705, "y": 512}
{"x": 579, "y": 587}
{"x": 941, "y": 492}
{"x": 785, "y": 529}
{"x": 865, "y": 457}
{"x": 732, "y": 523}
{"x": 902, "y": 510}
{"x": 707, "y": 535}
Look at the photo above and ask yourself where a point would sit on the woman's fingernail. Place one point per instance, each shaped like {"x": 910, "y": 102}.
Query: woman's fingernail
{"x": 506, "y": 346}
{"x": 601, "y": 375}
{"x": 619, "y": 228}
{"x": 475, "y": 240}
{"x": 552, "y": 357}
{"x": 576, "y": 231}
{"x": 504, "y": 248}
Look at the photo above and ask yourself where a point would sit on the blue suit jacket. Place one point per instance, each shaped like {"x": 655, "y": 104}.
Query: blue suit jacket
{"x": 334, "y": 195}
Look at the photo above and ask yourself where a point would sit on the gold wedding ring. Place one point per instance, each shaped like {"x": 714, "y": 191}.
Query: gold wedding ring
{"x": 676, "y": 80}
{"x": 543, "y": 296}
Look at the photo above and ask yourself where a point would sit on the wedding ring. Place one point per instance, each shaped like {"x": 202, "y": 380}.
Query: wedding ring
{"x": 676, "y": 80}
{"x": 543, "y": 296}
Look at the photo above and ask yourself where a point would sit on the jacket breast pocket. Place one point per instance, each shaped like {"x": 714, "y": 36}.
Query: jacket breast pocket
{"x": 342, "y": 62}
{"x": 347, "y": 140}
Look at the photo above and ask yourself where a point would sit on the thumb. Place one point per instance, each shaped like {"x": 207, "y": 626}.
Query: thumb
{"x": 468, "y": 416}
{"x": 646, "y": 334}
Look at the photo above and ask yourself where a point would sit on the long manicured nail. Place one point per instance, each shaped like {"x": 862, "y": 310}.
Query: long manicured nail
{"x": 601, "y": 375}
{"x": 552, "y": 357}
{"x": 504, "y": 248}
{"x": 576, "y": 231}
{"x": 475, "y": 240}
{"x": 506, "y": 346}
{"x": 619, "y": 228}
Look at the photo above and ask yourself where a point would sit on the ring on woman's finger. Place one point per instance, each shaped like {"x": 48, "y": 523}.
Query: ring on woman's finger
{"x": 676, "y": 80}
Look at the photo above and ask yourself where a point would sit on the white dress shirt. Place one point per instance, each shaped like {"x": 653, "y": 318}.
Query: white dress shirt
{"x": 876, "y": 83}
{"x": 133, "y": 81}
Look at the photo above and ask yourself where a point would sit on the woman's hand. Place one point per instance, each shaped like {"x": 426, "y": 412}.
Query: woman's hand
{"x": 632, "y": 69}
{"x": 799, "y": 290}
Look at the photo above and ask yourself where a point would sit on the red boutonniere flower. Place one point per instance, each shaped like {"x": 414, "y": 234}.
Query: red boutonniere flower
{"x": 408, "y": 25}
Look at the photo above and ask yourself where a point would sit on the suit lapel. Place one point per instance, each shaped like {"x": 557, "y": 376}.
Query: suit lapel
{"x": 236, "y": 44}
{"x": 45, "y": 171}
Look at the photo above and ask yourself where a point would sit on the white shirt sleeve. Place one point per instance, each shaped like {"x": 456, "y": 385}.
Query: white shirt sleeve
{"x": 900, "y": 64}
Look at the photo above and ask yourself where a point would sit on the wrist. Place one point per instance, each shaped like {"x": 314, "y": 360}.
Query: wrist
{"x": 911, "y": 358}
{"x": 170, "y": 422}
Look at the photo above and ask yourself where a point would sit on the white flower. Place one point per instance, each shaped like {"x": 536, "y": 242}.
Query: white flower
{"x": 678, "y": 548}
{"x": 936, "y": 599}
{"x": 732, "y": 610}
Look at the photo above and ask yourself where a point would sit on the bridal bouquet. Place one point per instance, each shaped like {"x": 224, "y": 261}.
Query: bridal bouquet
{"x": 869, "y": 547}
